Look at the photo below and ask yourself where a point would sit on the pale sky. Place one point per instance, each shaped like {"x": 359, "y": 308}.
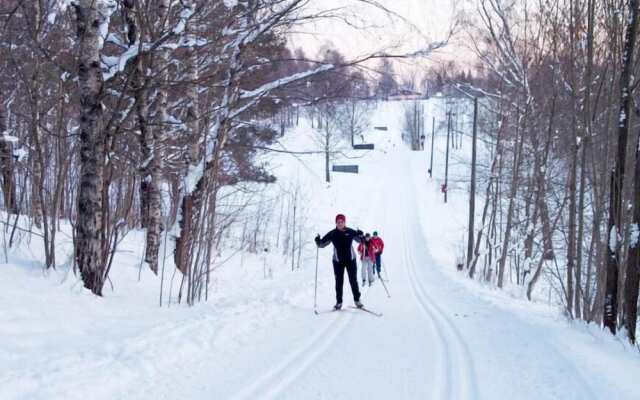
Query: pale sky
{"x": 431, "y": 20}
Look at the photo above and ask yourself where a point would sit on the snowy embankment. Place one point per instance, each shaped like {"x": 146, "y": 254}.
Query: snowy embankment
{"x": 441, "y": 336}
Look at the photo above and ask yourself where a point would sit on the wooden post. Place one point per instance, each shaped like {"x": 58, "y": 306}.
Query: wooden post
{"x": 433, "y": 132}
{"x": 446, "y": 163}
{"x": 472, "y": 190}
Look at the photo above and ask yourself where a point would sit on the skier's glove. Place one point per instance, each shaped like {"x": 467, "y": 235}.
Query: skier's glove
{"x": 317, "y": 239}
{"x": 359, "y": 232}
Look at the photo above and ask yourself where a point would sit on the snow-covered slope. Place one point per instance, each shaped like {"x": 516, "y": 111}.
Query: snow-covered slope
{"x": 441, "y": 336}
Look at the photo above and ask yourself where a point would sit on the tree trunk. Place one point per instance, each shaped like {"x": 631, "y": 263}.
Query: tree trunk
{"x": 150, "y": 138}
{"x": 91, "y": 15}
{"x": 37, "y": 163}
{"x": 534, "y": 278}
{"x": 580, "y": 238}
{"x": 633, "y": 259}
{"x": 155, "y": 216}
{"x": 492, "y": 180}
{"x": 6, "y": 162}
{"x": 571, "y": 245}
{"x": 583, "y": 173}
{"x": 573, "y": 164}
{"x": 540, "y": 211}
{"x": 189, "y": 202}
{"x": 512, "y": 200}
{"x": 617, "y": 174}
{"x": 146, "y": 139}
{"x": 193, "y": 103}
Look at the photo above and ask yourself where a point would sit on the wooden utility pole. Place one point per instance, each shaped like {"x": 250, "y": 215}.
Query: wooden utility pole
{"x": 433, "y": 132}
{"x": 415, "y": 140}
{"x": 472, "y": 190}
{"x": 446, "y": 163}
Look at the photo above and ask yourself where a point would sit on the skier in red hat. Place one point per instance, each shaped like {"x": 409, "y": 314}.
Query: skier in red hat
{"x": 343, "y": 257}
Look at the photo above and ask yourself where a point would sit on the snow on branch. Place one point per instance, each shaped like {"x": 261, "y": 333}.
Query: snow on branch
{"x": 115, "y": 65}
{"x": 284, "y": 81}
{"x": 105, "y": 9}
{"x": 185, "y": 15}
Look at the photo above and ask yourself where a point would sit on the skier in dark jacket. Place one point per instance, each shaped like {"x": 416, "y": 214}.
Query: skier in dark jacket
{"x": 343, "y": 257}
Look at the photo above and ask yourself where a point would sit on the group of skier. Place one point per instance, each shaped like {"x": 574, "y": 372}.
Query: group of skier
{"x": 370, "y": 249}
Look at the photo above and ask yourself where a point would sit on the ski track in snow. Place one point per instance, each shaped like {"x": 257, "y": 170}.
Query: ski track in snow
{"x": 460, "y": 378}
{"x": 463, "y": 364}
{"x": 279, "y": 377}
{"x": 276, "y": 379}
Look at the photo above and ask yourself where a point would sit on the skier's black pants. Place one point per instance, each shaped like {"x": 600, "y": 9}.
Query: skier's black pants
{"x": 378, "y": 265}
{"x": 352, "y": 271}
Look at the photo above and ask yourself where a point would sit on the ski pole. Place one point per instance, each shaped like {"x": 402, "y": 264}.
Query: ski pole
{"x": 384, "y": 285}
{"x": 385, "y": 271}
{"x": 315, "y": 289}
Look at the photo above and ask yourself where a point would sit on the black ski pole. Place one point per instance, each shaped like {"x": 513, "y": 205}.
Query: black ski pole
{"x": 386, "y": 276}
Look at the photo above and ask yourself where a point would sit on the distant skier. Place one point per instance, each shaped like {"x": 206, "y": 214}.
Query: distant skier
{"x": 367, "y": 252}
{"x": 379, "y": 244}
{"x": 343, "y": 257}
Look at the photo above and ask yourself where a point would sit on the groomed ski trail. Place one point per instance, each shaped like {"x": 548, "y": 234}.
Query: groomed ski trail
{"x": 413, "y": 351}
{"x": 276, "y": 379}
{"x": 460, "y": 376}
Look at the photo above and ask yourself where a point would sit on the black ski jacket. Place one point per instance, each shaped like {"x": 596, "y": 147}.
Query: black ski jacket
{"x": 342, "y": 249}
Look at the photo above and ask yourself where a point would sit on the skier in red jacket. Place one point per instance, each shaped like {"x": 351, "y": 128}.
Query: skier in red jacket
{"x": 379, "y": 245}
{"x": 367, "y": 252}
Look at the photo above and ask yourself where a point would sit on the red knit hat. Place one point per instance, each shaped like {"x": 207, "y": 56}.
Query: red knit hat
{"x": 340, "y": 217}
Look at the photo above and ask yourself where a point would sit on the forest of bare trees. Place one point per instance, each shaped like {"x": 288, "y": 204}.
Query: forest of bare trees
{"x": 125, "y": 111}
{"x": 557, "y": 83}
{"x": 119, "y": 115}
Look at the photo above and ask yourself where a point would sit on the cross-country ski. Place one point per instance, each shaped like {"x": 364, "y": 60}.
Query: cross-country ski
{"x": 365, "y": 309}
